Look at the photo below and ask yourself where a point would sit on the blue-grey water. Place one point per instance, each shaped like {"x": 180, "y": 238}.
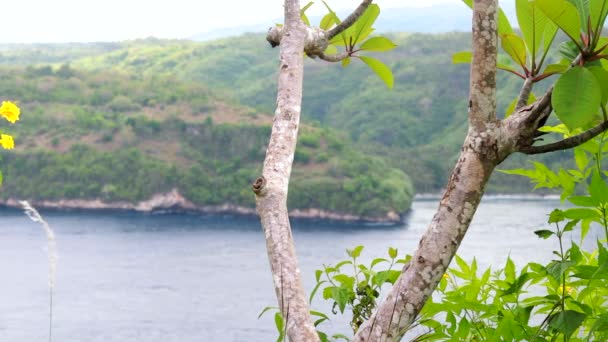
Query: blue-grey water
{"x": 132, "y": 277}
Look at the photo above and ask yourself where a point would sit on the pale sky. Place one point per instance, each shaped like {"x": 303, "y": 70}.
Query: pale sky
{"x": 27, "y": 21}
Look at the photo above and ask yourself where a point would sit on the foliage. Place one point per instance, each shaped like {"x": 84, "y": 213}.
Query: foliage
{"x": 120, "y": 137}
{"x": 565, "y": 299}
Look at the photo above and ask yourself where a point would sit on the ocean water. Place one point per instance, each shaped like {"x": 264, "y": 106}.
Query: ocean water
{"x": 125, "y": 276}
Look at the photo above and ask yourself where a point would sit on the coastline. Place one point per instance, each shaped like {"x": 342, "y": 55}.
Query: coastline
{"x": 174, "y": 202}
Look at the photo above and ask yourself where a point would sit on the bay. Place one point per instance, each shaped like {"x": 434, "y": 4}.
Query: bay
{"x": 125, "y": 276}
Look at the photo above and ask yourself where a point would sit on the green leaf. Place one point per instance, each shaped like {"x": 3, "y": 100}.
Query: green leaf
{"x": 278, "y": 322}
{"x": 581, "y": 213}
{"x": 583, "y": 201}
{"x": 515, "y": 47}
{"x": 328, "y": 21}
{"x": 556, "y": 216}
{"x": 392, "y": 252}
{"x": 557, "y": 268}
{"x": 532, "y": 23}
{"x": 563, "y": 14}
{"x": 377, "y": 261}
{"x": 544, "y": 233}
{"x": 266, "y": 309}
{"x": 576, "y": 97}
{"x": 345, "y": 281}
{"x": 567, "y": 321}
{"x": 331, "y": 50}
{"x": 462, "y": 57}
{"x": 378, "y": 44}
{"x": 581, "y": 159}
{"x": 363, "y": 25}
{"x": 602, "y": 79}
{"x": 303, "y": 13}
{"x": 555, "y": 69}
{"x": 598, "y": 9}
{"x": 598, "y": 189}
{"x": 345, "y": 62}
{"x": 356, "y": 252}
{"x": 315, "y": 289}
{"x": 383, "y": 71}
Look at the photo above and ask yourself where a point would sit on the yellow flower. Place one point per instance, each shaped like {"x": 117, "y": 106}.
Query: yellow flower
{"x": 10, "y": 111}
{"x": 7, "y": 141}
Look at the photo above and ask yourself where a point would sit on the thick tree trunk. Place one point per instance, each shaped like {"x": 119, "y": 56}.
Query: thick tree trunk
{"x": 485, "y": 147}
{"x": 439, "y": 244}
{"x": 271, "y": 188}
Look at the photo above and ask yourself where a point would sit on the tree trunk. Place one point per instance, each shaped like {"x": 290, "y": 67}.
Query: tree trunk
{"x": 271, "y": 188}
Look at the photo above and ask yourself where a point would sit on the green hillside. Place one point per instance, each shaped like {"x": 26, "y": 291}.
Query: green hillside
{"x": 125, "y": 137}
{"x": 417, "y": 127}
{"x": 196, "y": 116}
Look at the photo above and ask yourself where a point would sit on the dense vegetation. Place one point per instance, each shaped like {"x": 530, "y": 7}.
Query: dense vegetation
{"x": 125, "y": 137}
{"x": 122, "y": 121}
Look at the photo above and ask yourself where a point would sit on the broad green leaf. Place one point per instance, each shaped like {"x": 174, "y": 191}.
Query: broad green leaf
{"x": 581, "y": 213}
{"x": 544, "y": 233}
{"x": 378, "y": 44}
{"x": 377, "y": 261}
{"x": 363, "y": 25}
{"x": 583, "y": 201}
{"x": 327, "y": 22}
{"x": 582, "y": 6}
{"x": 515, "y": 47}
{"x": 549, "y": 34}
{"x": 532, "y": 23}
{"x": 555, "y": 69}
{"x": 598, "y": 189}
{"x": 345, "y": 281}
{"x": 557, "y": 268}
{"x": 567, "y": 321}
{"x": 383, "y": 71}
{"x": 581, "y": 159}
{"x": 569, "y": 51}
{"x": 602, "y": 78}
{"x": 576, "y": 97}
{"x": 598, "y": 9}
{"x": 315, "y": 289}
{"x": 563, "y": 14}
{"x": 331, "y": 50}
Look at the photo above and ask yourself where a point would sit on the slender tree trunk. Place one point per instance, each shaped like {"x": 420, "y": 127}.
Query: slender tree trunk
{"x": 271, "y": 188}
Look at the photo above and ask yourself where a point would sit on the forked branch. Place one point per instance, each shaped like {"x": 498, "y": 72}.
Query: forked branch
{"x": 568, "y": 142}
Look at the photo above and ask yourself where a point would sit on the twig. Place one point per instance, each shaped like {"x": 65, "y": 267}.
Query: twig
{"x": 567, "y": 143}
{"x": 33, "y": 214}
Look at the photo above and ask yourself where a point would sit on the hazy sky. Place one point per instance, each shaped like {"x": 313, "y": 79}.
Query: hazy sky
{"x": 111, "y": 20}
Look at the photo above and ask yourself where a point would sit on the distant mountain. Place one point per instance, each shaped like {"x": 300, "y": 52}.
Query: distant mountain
{"x": 426, "y": 19}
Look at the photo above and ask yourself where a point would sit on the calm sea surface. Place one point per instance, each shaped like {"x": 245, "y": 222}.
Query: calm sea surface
{"x": 131, "y": 277}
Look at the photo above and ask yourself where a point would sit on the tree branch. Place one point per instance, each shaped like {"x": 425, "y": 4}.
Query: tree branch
{"x": 568, "y": 142}
{"x": 272, "y": 187}
{"x": 524, "y": 94}
{"x": 333, "y": 58}
{"x": 482, "y": 101}
{"x": 346, "y": 23}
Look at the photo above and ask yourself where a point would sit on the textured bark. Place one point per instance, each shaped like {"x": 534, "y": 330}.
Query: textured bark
{"x": 484, "y": 148}
{"x": 271, "y": 188}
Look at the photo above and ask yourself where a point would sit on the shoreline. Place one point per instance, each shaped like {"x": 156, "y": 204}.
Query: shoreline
{"x": 173, "y": 202}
